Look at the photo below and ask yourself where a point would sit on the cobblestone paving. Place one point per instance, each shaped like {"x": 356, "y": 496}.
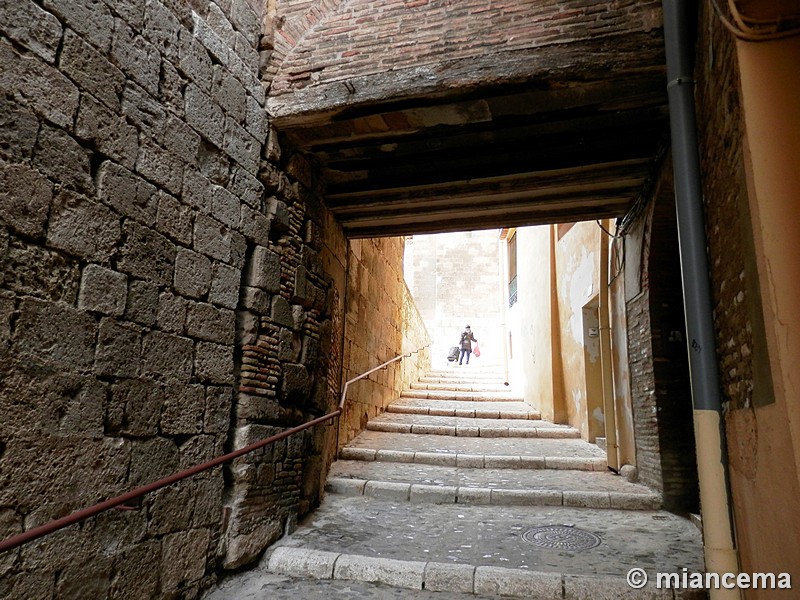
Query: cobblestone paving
{"x": 411, "y": 442}
{"x": 464, "y": 421}
{"x": 486, "y": 478}
{"x": 259, "y": 585}
{"x": 492, "y": 536}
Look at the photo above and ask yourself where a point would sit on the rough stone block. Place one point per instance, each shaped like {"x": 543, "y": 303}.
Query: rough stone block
{"x": 219, "y": 401}
{"x": 152, "y": 459}
{"x": 90, "y": 18}
{"x": 170, "y": 94}
{"x": 467, "y": 495}
{"x": 184, "y": 560}
{"x": 229, "y": 94}
{"x": 31, "y": 27}
{"x": 184, "y": 406}
{"x": 254, "y": 225}
{"x": 196, "y": 190}
{"x": 345, "y": 487}
{"x": 256, "y": 300}
{"x": 400, "y": 573}
{"x": 241, "y": 146}
{"x": 192, "y": 273}
{"x": 6, "y": 312}
{"x": 162, "y": 29}
{"x": 60, "y": 157}
{"x": 91, "y": 71}
{"x": 166, "y": 356}
{"x": 587, "y": 499}
{"x": 118, "y": 350}
{"x": 444, "y": 577}
{"x": 134, "y": 408}
{"x": 281, "y": 312}
{"x": 628, "y": 501}
{"x": 142, "y": 109}
{"x": 295, "y": 384}
{"x": 225, "y": 206}
{"x": 172, "y": 312}
{"x": 245, "y": 547}
{"x": 303, "y": 562}
{"x": 142, "y": 305}
{"x": 54, "y": 332}
{"x": 213, "y": 363}
{"x": 499, "y": 581}
{"x": 146, "y": 254}
{"x": 103, "y": 290}
{"x": 131, "y": 11}
{"x": 174, "y": 219}
{"x": 357, "y": 454}
{"x": 435, "y": 458}
{"x": 137, "y": 57}
{"x": 204, "y": 115}
{"x": 264, "y": 270}
{"x": 194, "y": 60}
{"x": 39, "y": 85}
{"x": 207, "y": 322}
{"x": 224, "y": 286}
{"x": 170, "y": 509}
{"x": 128, "y": 193}
{"x": 161, "y": 166}
{"x": 108, "y": 131}
{"x": 25, "y": 198}
{"x": 18, "y": 129}
{"x": 435, "y": 494}
{"x": 180, "y": 139}
{"x": 212, "y": 238}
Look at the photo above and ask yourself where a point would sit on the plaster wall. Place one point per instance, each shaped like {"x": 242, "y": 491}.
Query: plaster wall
{"x": 577, "y": 260}
{"x": 530, "y": 323}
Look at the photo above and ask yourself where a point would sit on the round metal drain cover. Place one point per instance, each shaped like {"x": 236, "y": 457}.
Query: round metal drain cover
{"x": 561, "y": 537}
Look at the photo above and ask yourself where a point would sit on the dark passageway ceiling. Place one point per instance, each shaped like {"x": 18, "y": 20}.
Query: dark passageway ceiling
{"x": 560, "y": 133}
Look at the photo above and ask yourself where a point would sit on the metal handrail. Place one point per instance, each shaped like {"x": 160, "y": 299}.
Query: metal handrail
{"x": 37, "y": 532}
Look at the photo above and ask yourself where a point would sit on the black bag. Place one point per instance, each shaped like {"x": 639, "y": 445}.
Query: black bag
{"x": 453, "y": 354}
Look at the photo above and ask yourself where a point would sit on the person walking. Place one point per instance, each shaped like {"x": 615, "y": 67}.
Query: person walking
{"x": 467, "y": 338}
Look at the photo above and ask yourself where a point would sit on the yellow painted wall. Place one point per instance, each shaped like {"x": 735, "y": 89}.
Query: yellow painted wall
{"x": 577, "y": 267}
{"x": 764, "y": 442}
{"x": 530, "y": 324}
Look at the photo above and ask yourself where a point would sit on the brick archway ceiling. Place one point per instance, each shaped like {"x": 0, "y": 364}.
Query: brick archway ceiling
{"x": 562, "y": 126}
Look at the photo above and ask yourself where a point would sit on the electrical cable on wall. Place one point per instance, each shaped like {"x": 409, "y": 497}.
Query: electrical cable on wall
{"x": 757, "y": 30}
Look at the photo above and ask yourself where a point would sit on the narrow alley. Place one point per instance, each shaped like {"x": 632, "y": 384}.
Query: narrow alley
{"x": 461, "y": 487}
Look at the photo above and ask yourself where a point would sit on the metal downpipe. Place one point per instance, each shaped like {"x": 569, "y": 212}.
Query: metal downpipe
{"x": 712, "y": 466}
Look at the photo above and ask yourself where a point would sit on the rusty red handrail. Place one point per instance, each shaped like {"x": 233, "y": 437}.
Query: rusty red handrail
{"x": 37, "y": 532}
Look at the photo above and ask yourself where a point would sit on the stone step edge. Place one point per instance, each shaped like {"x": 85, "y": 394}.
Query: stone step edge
{"x": 553, "y": 433}
{"x": 418, "y": 493}
{"x": 454, "y": 577}
{"x": 476, "y": 461}
{"x": 453, "y": 386}
{"x": 468, "y": 413}
{"x": 457, "y": 396}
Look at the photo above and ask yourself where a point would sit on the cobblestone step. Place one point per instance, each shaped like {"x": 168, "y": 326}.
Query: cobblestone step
{"x": 461, "y": 396}
{"x": 468, "y": 409}
{"x": 487, "y": 550}
{"x": 491, "y": 429}
{"x": 475, "y": 461}
{"x": 411, "y": 419}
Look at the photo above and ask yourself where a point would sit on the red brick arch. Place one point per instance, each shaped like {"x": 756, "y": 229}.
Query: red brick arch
{"x": 340, "y": 39}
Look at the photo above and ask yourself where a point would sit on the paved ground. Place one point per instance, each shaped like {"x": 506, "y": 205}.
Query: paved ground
{"x": 411, "y": 442}
{"x": 593, "y": 481}
{"x": 492, "y": 536}
{"x": 260, "y": 585}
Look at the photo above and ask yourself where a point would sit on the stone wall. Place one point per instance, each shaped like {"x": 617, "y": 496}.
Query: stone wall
{"x": 455, "y": 279}
{"x": 382, "y": 322}
{"x": 171, "y": 288}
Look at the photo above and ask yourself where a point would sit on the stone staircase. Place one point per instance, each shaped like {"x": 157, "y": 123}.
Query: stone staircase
{"x": 461, "y": 489}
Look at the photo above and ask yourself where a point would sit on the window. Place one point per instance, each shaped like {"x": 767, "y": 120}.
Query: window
{"x": 512, "y": 269}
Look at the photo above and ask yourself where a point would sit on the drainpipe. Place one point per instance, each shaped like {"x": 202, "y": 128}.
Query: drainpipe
{"x": 712, "y": 465}
{"x": 609, "y": 408}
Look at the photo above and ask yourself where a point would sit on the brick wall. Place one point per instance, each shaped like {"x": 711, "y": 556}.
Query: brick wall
{"x": 317, "y": 42}
{"x": 169, "y": 290}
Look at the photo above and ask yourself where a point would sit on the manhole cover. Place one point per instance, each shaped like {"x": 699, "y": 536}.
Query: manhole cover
{"x": 561, "y": 537}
